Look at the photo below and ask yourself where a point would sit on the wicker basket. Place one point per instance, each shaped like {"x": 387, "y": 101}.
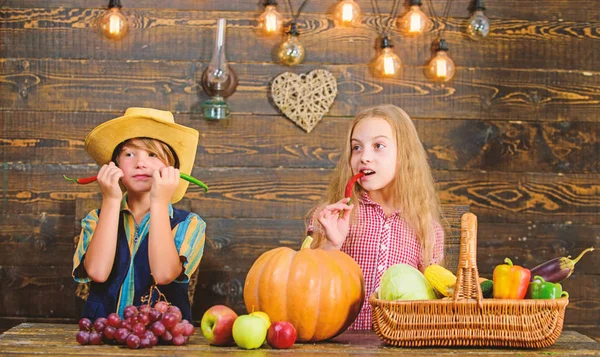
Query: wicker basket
{"x": 467, "y": 319}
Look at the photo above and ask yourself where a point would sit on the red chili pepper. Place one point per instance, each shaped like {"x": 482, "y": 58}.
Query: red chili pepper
{"x": 350, "y": 188}
{"x": 82, "y": 181}
{"x": 188, "y": 178}
{"x": 350, "y": 185}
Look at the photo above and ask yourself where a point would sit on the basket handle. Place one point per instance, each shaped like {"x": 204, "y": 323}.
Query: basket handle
{"x": 467, "y": 276}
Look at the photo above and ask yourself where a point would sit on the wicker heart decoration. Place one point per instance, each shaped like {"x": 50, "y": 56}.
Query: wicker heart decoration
{"x": 304, "y": 98}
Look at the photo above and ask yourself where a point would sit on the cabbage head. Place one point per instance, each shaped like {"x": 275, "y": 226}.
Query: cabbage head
{"x": 403, "y": 282}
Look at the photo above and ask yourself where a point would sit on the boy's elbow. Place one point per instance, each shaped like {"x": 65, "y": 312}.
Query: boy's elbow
{"x": 163, "y": 279}
{"x": 97, "y": 277}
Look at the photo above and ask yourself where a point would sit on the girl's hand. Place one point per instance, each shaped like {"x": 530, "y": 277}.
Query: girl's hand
{"x": 108, "y": 180}
{"x": 335, "y": 219}
{"x": 165, "y": 182}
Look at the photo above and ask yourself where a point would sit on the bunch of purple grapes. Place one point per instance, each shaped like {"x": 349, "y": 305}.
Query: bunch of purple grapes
{"x": 139, "y": 328}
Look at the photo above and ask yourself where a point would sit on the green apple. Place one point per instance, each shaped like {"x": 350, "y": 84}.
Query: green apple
{"x": 249, "y": 332}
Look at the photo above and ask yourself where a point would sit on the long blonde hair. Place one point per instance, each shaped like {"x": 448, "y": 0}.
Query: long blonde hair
{"x": 414, "y": 190}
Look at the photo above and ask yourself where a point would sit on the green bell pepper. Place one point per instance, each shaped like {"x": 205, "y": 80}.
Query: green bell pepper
{"x": 540, "y": 289}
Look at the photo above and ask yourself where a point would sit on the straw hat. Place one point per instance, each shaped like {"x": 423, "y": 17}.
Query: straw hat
{"x": 149, "y": 123}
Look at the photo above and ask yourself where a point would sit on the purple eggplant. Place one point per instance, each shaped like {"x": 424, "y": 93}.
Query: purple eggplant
{"x": 557, "y": 269}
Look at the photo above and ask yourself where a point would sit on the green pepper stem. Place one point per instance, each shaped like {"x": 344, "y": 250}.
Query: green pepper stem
{"x": 508, "y": 261}
{"x": 70, "y": 179}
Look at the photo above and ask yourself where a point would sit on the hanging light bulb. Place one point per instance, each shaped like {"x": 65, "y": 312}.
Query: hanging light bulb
{"x": 388, "y": 64}
{"x": 478, "y": 25}
{"x": 414, "y": 22}
{"x": 270, "y": 21}
{"x": 218, "y": 79}
{"x": 113, "y": 23}
{"x": 291, "y": 51}
{"x": 441, "y": 68}
{"x": 347, "y": 13}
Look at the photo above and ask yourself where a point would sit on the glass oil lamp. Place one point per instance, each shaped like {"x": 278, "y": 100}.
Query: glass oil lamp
{"x": 218, "y": 80}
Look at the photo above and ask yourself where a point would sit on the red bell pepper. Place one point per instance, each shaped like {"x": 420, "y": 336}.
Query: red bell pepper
{"x": 510, "y": 281}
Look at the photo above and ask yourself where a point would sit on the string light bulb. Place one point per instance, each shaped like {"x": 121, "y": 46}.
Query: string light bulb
{"x": 113, "y": 23}
{"x": 478, "y": 26}
{"x": 291, "y": 51}
{"x": 414, "y": 22}
{"x": 270, "y": 21}
{"x": 388, "y": 64}
{"x": 347, "y": 13}
{"x": 441, "y": 68}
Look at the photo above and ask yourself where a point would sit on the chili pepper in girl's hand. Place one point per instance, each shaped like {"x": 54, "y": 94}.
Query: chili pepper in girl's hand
{"x": 558, "y": 269}
{"x": 352, "y": 181}
{"x": 350, "y": 187}
{"x": 188, "y": 178}
{"x": 541, "y": 289}
{"x": 510, "y": 281}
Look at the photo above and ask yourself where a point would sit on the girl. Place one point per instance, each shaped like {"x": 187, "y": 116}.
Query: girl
{"x": 398, "y": 213}
{"x": 138, "y": 239}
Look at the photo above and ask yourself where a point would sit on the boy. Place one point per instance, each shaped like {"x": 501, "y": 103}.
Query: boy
{"x": 137, "y": 239}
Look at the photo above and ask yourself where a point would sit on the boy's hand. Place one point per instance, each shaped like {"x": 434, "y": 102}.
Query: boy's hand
{"x": 165, "y": 182}
{"x": 335, "y": 219}
{"x": 108, "y": 180}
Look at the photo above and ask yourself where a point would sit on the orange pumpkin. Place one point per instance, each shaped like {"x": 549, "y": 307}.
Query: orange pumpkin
{"x": 319, "y": 291}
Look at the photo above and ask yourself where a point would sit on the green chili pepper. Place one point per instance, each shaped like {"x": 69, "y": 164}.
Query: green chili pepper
{"x": 194, "y": 181}
{"x": 541, "y": 289}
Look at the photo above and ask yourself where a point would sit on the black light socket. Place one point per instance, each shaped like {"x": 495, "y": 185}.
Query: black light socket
{"x": 442, "y": 45}
{"x": 293, "y": 30}
{"x": 386, "y": 42}
{"x": 477, "y": 5}
{"x": 114, "y": 3}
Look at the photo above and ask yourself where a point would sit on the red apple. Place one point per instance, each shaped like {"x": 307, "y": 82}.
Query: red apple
{"x": 216, "y": 325}
{"x": 281, "y": 334}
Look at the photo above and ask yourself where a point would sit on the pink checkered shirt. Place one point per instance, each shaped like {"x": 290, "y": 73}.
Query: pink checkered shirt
{"x": 377, "y": 243}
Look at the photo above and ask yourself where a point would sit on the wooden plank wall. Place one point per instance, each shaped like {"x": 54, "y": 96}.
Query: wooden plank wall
{"x": 514, "y": 134}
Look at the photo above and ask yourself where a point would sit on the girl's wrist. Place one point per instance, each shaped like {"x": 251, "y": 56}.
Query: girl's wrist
{"x": 328, "y": 245}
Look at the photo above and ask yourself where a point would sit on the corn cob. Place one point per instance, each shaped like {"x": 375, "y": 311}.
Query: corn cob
{"x": 441, "y": 279}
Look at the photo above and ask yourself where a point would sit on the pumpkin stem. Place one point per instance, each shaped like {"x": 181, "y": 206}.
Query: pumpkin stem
{"x": 307, "y": 242}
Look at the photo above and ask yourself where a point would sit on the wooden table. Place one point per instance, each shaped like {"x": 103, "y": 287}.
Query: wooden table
{"x": 38, "y": 339}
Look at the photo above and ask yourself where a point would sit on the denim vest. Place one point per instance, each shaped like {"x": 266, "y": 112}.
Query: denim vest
{"x": 103, "y": 297}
